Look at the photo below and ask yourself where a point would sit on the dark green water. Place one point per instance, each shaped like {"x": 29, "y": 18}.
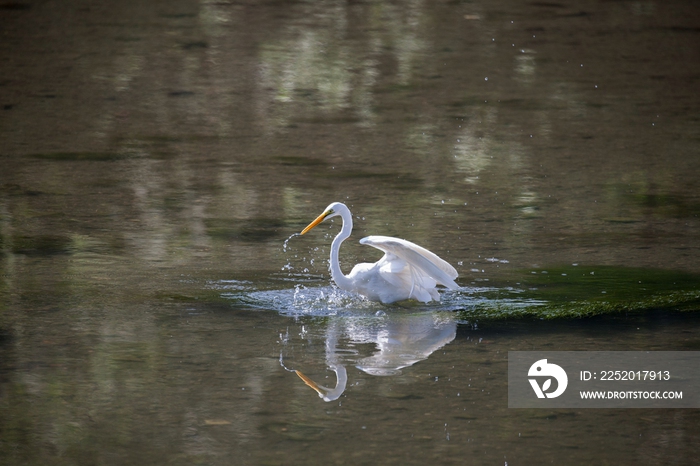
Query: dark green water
{"x": 156, "y": 159}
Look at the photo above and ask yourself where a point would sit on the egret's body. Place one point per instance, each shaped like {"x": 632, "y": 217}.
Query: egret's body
{"x": 407, "y": 271}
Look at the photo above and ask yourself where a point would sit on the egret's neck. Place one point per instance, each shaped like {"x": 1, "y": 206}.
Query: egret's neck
{"x": 340, "y": 279}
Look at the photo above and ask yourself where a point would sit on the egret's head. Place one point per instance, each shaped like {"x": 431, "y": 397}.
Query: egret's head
{"x": 332, "y": 210}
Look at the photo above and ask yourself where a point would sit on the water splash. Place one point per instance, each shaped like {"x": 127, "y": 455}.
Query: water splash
{"x": 286, "y": 242}
{"x": 311, "y": 299}
{"x": 304, "y": 294}
{"x": 305, "y": 301}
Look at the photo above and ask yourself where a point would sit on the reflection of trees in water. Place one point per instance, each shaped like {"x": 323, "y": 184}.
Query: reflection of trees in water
{"x": 227, "y": 121}
{"x": 136, "y": 384}
{"x": 331, "y": 71}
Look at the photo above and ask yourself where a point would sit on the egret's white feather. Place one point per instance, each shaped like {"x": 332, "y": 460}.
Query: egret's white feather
{"x": 406, "y": 271}
{"x": 417, "y": 256}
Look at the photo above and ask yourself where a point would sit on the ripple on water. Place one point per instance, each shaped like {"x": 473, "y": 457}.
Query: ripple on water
{"x": 302, "y": 300}
{"x": 309, "y": 300}
{"x": 564, "y": 292}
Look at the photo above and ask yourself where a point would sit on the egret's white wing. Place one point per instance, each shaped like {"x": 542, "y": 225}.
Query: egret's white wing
{"x": 407, "y": 278}
{"x": 417, "y": 256}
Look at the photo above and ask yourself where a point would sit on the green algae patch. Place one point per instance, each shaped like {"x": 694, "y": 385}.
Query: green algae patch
{"x": 574, "y": 292}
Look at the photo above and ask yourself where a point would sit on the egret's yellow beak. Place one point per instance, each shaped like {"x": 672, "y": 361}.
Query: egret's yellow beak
{"x": 310, "y": 383}
{"x": 318, "y": 220}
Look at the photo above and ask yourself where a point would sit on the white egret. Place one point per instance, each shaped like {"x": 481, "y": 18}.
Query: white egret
{"x": 407, "y": 271}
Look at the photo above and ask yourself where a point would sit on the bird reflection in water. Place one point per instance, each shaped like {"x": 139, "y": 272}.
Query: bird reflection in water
{"x": 400, "y": 341}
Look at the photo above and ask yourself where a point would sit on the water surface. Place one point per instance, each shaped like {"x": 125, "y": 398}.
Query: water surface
{"x": 157, "y": 158}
